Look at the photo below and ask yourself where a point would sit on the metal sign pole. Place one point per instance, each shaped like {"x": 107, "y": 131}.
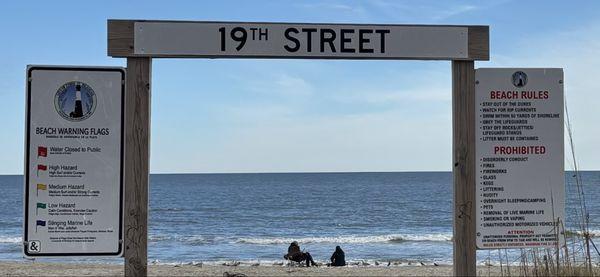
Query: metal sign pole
{"x": 137, "y": 160}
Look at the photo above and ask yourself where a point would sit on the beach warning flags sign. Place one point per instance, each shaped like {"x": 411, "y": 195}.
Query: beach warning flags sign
{"x": 89, "y": 115}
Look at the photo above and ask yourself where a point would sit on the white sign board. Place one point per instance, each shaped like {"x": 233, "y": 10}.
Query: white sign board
{"x": 520, "y": 157}
{"x": 73, "y": 161}
{"x": 289, "y": 40}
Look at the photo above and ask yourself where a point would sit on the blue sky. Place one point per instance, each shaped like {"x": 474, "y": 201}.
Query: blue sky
{"x": 304, "y": 115}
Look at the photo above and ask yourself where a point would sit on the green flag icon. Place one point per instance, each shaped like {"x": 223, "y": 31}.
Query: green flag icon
{"x": 40, "y": 206}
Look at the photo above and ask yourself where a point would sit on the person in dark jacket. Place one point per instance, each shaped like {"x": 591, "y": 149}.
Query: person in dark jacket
{"x": 338, "y": 258}
{"x": 294, "y": 254}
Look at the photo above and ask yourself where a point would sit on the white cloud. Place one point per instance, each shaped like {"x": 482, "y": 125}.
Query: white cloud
{"x": 342, "y": 10}
{"x": 329, "y": 6}
{"x": 366, "y": 142}
{"x": 453, "y": 11}
{"x": 430, "y": 11}
{"x": 427, "y": 94}
{"x": 282, "y": 84}
{"x": 422, "y": 10}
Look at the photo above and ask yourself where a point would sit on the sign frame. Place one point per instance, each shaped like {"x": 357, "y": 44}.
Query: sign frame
{"x": 29, "y": 71}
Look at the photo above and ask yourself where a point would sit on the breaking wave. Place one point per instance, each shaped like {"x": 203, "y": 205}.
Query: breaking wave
{"x": 593, "y": 233}
{"x": 192, "y": 240}
{"x": 275, "y": 263}
{"x": 392, "y": 238}
{"x": 7, "y": 239}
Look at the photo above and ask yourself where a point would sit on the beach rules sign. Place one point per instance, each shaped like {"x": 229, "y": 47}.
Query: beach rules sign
{"x": 73, "y": 161}
{"x": 519, "y": 157}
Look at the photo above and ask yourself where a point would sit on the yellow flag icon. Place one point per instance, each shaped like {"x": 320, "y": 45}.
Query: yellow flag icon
{"x": 40, "y": 187}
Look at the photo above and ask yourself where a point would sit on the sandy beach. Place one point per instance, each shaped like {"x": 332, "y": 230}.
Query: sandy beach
{"x": 62, "y": 269}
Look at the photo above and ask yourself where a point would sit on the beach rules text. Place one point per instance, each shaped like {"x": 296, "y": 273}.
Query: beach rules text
{"x": 520, "y": 192}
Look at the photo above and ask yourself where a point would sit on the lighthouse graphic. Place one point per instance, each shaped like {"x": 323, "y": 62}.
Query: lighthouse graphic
{"x": 78, "y": 111}
{"x": 519, "y": 79}
{"x": 75, "y": 101}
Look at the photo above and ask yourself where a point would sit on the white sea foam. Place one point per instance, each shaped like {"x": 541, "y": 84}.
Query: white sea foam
{"x": 593, "y": 233}
{"x": 390, "y": 238}
{"x": 166, "y": 209}
{"x": 350, "y": 239}
{"x": 192, "y": 239}
{"x": 153, "y": 238}
{"x": 7, "y": 239}
{"x": 269, "y": 263}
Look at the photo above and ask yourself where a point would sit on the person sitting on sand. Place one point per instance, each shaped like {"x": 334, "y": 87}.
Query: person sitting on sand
{"x": 294, "y": 254}
{"x": 338, "y": 258}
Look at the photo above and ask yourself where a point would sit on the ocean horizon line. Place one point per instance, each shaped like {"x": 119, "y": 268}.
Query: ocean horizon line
{"x": 302, "y": 172}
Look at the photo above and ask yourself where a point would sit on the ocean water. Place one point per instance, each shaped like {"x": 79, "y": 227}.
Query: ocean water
{"x": 253, "y": 217}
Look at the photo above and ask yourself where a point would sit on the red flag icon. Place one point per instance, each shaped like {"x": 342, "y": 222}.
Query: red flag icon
{"x": 42, "y": 168}
{"x": 42, "y": 151}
